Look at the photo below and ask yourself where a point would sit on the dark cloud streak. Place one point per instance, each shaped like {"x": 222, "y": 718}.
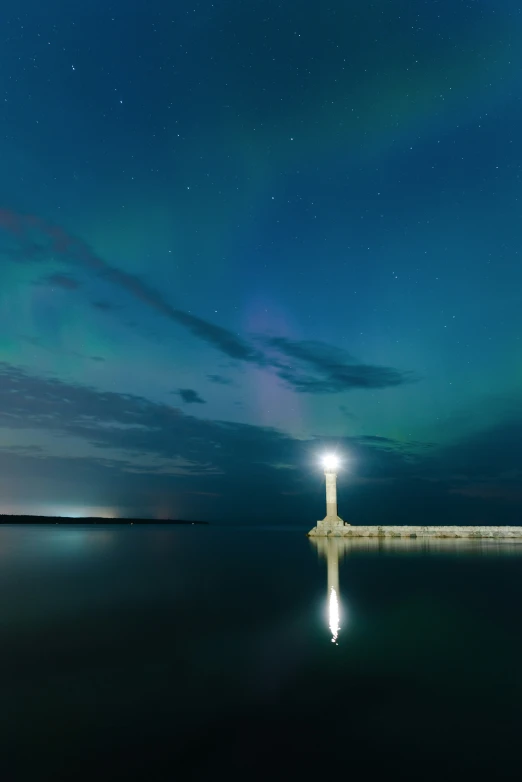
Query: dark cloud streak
{"x": 339, "y": 371}
{"x": 220, "y": 380}
{"x": 189, "y": 396}
{"x": 336, "y": 370}
{"x": 35, "y": 240}
{"x": 64, "y": 281}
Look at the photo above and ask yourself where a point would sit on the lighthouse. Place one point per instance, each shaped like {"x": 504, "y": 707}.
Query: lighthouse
{"x": 332, "y": 521}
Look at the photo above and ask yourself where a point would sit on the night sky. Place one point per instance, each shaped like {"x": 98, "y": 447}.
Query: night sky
{"x": 234, "y": 235}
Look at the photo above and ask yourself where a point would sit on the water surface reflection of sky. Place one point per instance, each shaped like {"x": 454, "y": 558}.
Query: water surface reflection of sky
{"x": 126, "y": 645}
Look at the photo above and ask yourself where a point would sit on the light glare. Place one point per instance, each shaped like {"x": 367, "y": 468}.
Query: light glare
{"x": 330, "y": 461}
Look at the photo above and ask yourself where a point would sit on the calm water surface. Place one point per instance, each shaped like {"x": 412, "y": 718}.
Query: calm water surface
{"x": 173, "y": 653}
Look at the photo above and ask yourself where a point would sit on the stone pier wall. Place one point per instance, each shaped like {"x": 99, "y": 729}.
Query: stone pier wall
{"x": 354, "y": 531}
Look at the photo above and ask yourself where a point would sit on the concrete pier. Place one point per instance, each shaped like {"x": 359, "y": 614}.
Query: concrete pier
{"x": 326, "y": 528}
{"x": 333, "y": 525}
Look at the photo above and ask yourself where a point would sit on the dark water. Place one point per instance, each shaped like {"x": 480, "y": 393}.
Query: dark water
{"x": 164, "y": 653}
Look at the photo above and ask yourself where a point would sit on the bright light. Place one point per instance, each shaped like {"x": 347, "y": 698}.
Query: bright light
{"x": 330, "y": 461}
{"x": 333, "y": 615}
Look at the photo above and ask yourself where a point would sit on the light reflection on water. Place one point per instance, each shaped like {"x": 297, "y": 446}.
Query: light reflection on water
{"x": 329, "y": 549}
{"x": 418, "y": 545}
{"x": 333, "y": 614}
{"x": 118, "y": 637}
{"x": 333, "y": 549}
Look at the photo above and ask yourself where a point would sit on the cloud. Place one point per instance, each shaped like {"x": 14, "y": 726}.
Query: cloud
{"x": 30, "y": 238}
{"x": 222, "y": 339}
{"x": 64, "y": 281}
{"x": 38, "y": 343}
{"x": 105, "y": 306}
{"x": 495, "y": 451}
{"x": 190, "y": 396}
{"x": 26, "y": 449}
{"x": 310, "y": 351}
{"x": 130, "y": 450}
{"x": 491, "y": 490}
{"x": 220, "y": 380}
{"x": 153, "y": 437}
{"x": 336, "y": 370}
{"x": 131, "y": 424}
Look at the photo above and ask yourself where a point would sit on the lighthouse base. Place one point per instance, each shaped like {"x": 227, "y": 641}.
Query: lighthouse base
{"x": 330, "y": 524}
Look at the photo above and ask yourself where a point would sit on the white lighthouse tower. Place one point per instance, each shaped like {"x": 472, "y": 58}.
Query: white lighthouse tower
{"x": 331, "y": 521}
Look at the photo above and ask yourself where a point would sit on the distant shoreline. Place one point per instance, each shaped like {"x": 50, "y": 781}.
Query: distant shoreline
{"x": 19, "y": 519}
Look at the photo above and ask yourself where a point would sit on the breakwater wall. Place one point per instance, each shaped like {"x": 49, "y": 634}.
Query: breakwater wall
{"x": 355, "y": 531}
